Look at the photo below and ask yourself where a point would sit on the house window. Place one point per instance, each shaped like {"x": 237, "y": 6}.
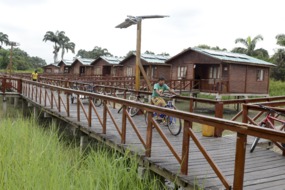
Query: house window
{"x": 260, "y": 75}
{"x": 214, "y": 72}
{"x": 66, "y": 70}
{"x": 129, "y": 71}
{"x": 97, "y": 71}
{"x": 114, "y": 71}
{"x": 182, "y": 72}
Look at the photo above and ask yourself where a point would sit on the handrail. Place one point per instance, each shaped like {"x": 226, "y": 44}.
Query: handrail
{"x": 242, "y": 129}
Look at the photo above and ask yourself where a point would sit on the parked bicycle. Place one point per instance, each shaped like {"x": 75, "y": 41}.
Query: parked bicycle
{"x": 133, "y": 110}
{"x": 267, "y": 122}
{"x": 89, "y": 88}
{"x": 174, "y": 124}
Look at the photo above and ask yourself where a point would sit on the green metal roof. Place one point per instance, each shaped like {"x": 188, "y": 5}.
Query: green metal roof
{"x": 150, "y": 58}
{"x": 85, "y": 61}
{"x": 111, "y": 59}
{"x": 232, "y": 57}
{"x": 66, "y": 62}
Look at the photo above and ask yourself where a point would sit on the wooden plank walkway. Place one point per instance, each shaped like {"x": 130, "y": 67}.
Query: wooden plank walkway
{"x": 264, "y": 169}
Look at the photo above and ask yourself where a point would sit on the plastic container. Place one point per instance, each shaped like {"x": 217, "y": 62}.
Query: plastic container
{"x": 208, "y": 131}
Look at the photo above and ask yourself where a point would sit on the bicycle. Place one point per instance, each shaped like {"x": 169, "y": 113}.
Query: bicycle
{"x": 133, "y": 110}
{"x": 89, "y": 88}
{"x": 267, "y": 123}
{"x": 174, "y": 124}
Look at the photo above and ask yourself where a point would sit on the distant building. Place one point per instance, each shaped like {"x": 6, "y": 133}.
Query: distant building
{"x": 107, "y": 66}
{"x": 64, "y": 66}
{"x": 81, "y": 66}
{"x": 221, "y": 72}
{"x": 51, "y": 68}
{"x": 154, "y": 65}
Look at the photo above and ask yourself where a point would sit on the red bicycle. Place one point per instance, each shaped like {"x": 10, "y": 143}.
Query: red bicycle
{"x": 267, "y": 122}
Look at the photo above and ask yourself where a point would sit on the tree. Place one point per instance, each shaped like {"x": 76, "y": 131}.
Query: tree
{"x": 4, "y": 58}
{"x": 250, "y": 45}
{"x": 3, "y": 39}
{"x": 280, "y": 39}
{"x": 65, "y": 44}
{"x": 56, "y": 38}
{"x": 149, "y": 52}
{"x": 278, "y": 72}
{"x": 93, "y": 54}
{"x": 131, "y": 52}
{"x": 164, "y": 54}
{"x": 204, "y": 46}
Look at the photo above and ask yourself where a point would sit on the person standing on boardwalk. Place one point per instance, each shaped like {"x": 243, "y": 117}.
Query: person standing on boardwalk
{"x": 35, "y": 75}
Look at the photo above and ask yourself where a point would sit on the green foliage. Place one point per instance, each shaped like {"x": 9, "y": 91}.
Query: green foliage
{"x": 32, "y": 158}
{"x": 3, "y": 39}
{"x": 278, "y": 72}
{"x": 204, "y": 46}
{"x": 281, "y": 39}
{"x": 249, "y": 47}
{"x": 276, "y": 88}
{"x": 21, "y": 60}
{"x": 93, "y": 54}
{"x": 61, "y": 41}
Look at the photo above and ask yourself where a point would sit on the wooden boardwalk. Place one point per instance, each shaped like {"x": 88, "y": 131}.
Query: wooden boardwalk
{"x": 264, "y": 169}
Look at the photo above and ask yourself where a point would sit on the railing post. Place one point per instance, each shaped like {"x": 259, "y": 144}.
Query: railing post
{"x": 185, "y": 147}
{"x": 104, "y": 116}
{"x": 239, "y": 161}
{"x": 149, "y": 134}
{"x": 51, "y": 98}
{"x": 90, "y": 112}
{"x": 244, "y": 113}
{"x": 40, "y": 95}
{"x": 19, "y": 86}
{"x": 36, "y": 88}
{"x": 219, "y": 108}
{"x": 58, "y": 95}
{"x": 4, "y": 84}
{"x": 124, "y": 125}
{"x": 67, "y": 104}
{"x": 45, "y": 97}
{"x": 114, "y": 94}
{"x": 78, "y": 108}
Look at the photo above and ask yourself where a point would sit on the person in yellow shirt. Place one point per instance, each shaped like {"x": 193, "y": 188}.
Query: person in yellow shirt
{"x": 35, "y": 75}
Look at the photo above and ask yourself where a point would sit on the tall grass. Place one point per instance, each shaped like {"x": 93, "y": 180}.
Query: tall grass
{"x": 33, "y": 158}
{"x": 276, "y": 88}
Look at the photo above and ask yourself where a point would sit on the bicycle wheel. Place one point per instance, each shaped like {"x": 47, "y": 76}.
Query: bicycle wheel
{"x": 254, "y": 144}
{"x": 97, "y": 102}
{"x": 174, "y": 125}
{"x": 133, "y": 111}
{"x": 120, "y": 109}
{"x": 255, "y": 140}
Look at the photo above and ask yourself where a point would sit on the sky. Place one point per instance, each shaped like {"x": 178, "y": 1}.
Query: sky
{"x": 90, "y": 23}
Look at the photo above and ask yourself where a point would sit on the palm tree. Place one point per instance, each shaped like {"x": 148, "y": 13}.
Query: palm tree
{"x": 56, "y": 38}
{"x": 3, "y": 39}
{"x": 65, "y": 44}
{"x": 280, "y": 39}
{"x": 250, "y": 45}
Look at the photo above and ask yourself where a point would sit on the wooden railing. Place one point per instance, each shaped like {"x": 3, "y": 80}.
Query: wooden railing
{"x": 50, "y": 94}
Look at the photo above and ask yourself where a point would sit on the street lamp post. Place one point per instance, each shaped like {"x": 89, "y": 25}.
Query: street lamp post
{"x": 131, "y": 20}
{"x": 10, "y": 65}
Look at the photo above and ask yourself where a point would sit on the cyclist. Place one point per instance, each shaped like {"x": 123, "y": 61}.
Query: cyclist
{"x": 158, "y": 90}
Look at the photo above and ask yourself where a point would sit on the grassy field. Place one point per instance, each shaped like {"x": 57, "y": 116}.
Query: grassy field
{"x": 34, "y": 158}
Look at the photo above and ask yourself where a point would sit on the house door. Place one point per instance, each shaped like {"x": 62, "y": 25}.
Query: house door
{"x": 82, "y": 70}
{"x": 106, "y": 71}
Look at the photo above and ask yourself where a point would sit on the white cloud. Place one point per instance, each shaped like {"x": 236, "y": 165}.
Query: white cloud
{"x": 91, "y": 23}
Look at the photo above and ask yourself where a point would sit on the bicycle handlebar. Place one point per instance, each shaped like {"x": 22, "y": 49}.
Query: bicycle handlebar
{"x": 271, "y": 110}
